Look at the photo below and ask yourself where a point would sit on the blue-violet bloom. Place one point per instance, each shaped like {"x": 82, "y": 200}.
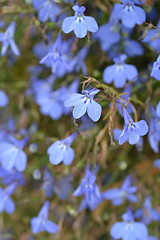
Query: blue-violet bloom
{"x": 132, "y": 130}
{"x": 41, "y": 222}
{"x": 120, "y": 72}
{"x": 83, "y": 103}
{"x": 60, "y": 151}
{"x": 7, "y": 40}
{"x": 80, "y": 24}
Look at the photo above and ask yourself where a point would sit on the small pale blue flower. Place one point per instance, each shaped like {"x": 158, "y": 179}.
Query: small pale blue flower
{"x": 7, "y": 40}
{"x": 80, "y": 24}
{"x": 132, "y": 130}
{"x": 83, "y": 103}
{"x": 129, "y": 229}
{"x": 41, "y": 222}
{"x": 60, "y": 151}
{"x": 129, "y": 14}
{"x": 120, "y": 72}
{"x": 126, "y": 191}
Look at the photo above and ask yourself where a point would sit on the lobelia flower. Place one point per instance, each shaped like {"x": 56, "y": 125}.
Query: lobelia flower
{"x": 83, "y": 103}
{"x": 132, "y": 130}
{"x": 56, "y": 59}
{"x": 3, "y": 99}
{"x": 41, "y": 222}
{"x": 47, "y": 10}
{"x": 132, "y": 47}
{"x": 157, "y": 163}
{"x": 12, "y": 154}
{"x": 129, "y": 229}
{"x": 147, "y": 214}
{"x": 92, "y": 195}
{"x": 129, "y": 14}
{"x": 158, "y": 110}
{"x": 109, "y": 33}
{"x": 51, "y": 103}
{"x": 120, "y": 72}
{"x": 156, "y": 69}
{"x": 60, "y": 151}
{"x": 6, "y": 203}
{"x": 79, "y": 23}
{"x": 7, "y": 40}
{"x": 11, "y": 176}
{"x": 118, "y": 195}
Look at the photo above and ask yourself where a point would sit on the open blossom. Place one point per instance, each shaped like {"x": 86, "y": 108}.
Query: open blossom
{"x": 7, "y": 40}
{"x": 132, "y": 130}
{"x": 12, "y": 154}
{"x": 129, "y": 229}
{"x": 88, "y": 187}
{"x": 79, "y": 23}
{"x": 41, "y": 222}
{"x": 147, "y": 213}
{"x": 6, "y": 203}
{"x": 129, "y": 14}
{"x": 60, "y": 151}
{"x": 56, "y": 59}
{"x": 120, "y": 72}
{"x": 83, "y": 103}
{"x": 47, "y": 9}
{"x": 126, "y": 191}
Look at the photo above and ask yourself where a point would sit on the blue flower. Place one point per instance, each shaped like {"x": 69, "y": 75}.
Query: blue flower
{"x": 8, "y": 40}
{"x": 47, "y": 10}
{"x": 126, "y": 191}
{"x": 83, "y": 103}
{"x": 129, "y": 14}
{"x": 132, "y": 130}
{"x": 12, "y": 154}
{"x": 3, "y": 99}
{"x": 108, "y": 34}
{"x": 11, "y": 176}
{"x": 51, "y": 103}
{"x": 158, "y": 110}
{"x": 129, "y": 229}
{"x": 132, "y": 47}
{"x": 156, "y": 69}
{"x": 80, "y": 24}
{"x": 60, "y": 151}
{"x": 92, "y": 195}
{"x": 120, "y": 72}
{"x": 6, "y": 203}
{"x": 41, "y": 223}
{"x": 157, "y": 163}
{"x": 147, "y": 214}
{"x": 56, "y": 58}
